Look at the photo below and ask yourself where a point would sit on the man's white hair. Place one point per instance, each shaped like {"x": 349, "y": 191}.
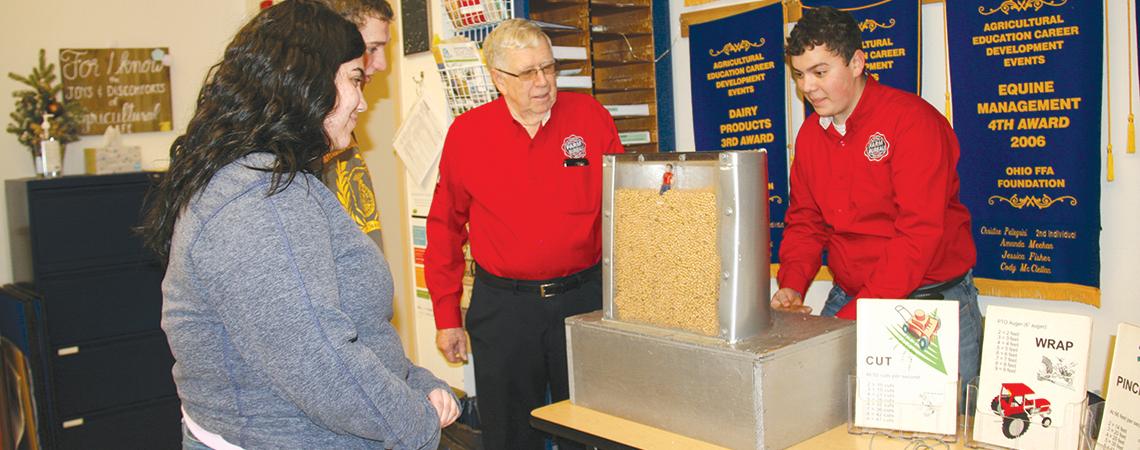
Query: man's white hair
{"x": 512, "y": 34}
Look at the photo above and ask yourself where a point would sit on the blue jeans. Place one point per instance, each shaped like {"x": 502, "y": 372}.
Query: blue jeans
{"x": 969, "y": 327}
{"x": 189, "y": 442}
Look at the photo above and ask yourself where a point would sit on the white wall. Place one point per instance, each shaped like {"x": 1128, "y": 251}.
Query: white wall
{"x": 1120, "y": 215}
{"x": 195, "y": 32}
{"x": 375, "y": 131}
{"x": 422, "y": 66}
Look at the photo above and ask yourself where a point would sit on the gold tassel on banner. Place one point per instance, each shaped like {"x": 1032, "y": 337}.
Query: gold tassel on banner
{"x": 949, "y": 111}
{"x": 1109, "y": 165}
{"x": 1131, "y": 126}
{"x": 946, "y": 66}
{"x": 793, "y": 11}
{"x": 1131, "y": 129}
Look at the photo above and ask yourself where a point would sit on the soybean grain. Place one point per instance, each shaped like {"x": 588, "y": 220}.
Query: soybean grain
{"x": 666, "y": 263}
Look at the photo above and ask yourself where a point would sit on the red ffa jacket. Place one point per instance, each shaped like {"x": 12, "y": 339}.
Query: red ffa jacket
{"x": 882, "y": 200}
{"x": 532, "y": 214}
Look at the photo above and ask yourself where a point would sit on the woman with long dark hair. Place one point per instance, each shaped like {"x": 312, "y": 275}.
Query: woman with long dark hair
{"x": 275, "y": 305}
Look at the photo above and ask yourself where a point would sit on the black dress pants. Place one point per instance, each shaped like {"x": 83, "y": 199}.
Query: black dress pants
{"x": 519, "y": 344}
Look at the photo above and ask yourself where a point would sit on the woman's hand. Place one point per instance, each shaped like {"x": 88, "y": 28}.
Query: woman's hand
{"x": 445, "y": 406}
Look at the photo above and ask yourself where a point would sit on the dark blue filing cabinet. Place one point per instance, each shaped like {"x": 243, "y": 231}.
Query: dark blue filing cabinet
{"x": 91, "y": 295}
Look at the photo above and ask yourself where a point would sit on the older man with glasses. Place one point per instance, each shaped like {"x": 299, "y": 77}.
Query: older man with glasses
{"x": 521, "y": 180}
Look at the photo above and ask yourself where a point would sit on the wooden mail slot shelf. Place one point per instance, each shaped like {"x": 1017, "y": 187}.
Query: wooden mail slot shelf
{"x": 627, "y": 22}
{"x": 621, "y": 63}
{"x": 622, "y": 50}
{"x": 569, "y": 15}
{"x": 630, "y": 76}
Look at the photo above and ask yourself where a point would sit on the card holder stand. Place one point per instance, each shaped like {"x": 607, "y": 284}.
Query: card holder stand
{"x": 917, "y": 439}
{"x": 1014, "y": 425}
{"x": 1090, "y": 423}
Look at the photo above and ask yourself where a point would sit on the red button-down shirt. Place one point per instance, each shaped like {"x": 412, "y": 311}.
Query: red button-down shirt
{"x": 527, "y": 213}
{"x": 881, "y": 199}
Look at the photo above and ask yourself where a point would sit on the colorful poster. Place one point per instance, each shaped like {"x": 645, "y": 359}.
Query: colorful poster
{"x": 907, "y": 365}
{"x": 1120, "y": 426}
{"x": 1026, "y": 85}
{"x": 738, "y": 79}
{"x": 1031, "y": 390}
{"x": 892, "y": 38}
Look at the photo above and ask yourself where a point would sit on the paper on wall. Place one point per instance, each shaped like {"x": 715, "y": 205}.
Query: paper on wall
{"x": 419, "y": 141}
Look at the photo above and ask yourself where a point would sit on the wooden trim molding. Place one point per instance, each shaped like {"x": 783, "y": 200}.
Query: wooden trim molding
{"x": 708, "y": 15}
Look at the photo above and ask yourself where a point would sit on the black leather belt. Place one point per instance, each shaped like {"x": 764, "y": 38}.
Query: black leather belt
{"x": 544, "y": 288}
{"x": 934, "y": 291}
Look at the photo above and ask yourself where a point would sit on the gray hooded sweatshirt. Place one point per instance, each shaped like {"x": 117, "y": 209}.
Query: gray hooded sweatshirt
{"x": 277, "y": 309}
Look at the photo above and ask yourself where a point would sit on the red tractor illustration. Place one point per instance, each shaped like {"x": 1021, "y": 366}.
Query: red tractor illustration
{"x": 920, "y": 325}
{"x": 1018, "y": 405}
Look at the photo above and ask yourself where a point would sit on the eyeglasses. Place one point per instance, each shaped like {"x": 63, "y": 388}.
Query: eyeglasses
{"x": 547, "y": 69}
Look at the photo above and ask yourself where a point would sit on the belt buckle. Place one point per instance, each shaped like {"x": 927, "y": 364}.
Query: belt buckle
{"x": 542, "y": 290}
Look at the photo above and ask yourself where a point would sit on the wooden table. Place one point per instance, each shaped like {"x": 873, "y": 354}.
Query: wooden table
{"x": 576, "y": 423}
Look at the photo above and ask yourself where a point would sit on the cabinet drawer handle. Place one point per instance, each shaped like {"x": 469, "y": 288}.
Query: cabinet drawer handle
{"x": 68, "y": 351}
{"x": 73, "y": 423}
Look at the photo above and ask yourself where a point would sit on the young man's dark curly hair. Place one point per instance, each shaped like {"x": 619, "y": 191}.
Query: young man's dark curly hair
{"x": 825, "y": 26}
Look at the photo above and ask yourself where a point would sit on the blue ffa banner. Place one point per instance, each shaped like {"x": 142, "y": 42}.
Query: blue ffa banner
{"x": 1026, "y": 79}
{"x": 738, "y": 80}
{"x": 892, "y": 31}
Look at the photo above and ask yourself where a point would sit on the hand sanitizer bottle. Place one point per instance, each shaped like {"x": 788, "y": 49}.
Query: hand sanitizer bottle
{"x": 49, "y": 159}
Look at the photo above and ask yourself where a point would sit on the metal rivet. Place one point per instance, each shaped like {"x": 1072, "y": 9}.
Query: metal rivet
{"x": 728, "y": 212}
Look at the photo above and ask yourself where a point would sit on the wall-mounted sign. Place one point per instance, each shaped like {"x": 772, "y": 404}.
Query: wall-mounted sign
{"x": 126, "y": 87}
{"x": 738, "y": 83}
{"x": 1027, "y": 89}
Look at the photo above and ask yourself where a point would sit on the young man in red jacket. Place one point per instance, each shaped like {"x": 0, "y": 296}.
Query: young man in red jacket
{"x": 875, "y": 184}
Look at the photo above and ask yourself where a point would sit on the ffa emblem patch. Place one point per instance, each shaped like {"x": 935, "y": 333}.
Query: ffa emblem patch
{"x": 877, "y": 147}
{"x": 574, "y": 147}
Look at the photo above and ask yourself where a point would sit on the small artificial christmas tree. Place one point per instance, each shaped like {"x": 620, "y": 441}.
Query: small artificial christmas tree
{"x": 43, "y": 98}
